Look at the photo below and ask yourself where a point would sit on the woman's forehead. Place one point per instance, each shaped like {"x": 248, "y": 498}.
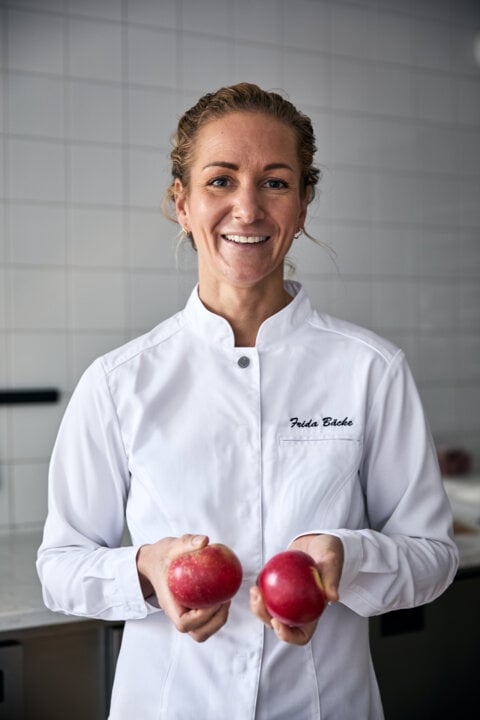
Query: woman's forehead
{"x": 242, "y": 134}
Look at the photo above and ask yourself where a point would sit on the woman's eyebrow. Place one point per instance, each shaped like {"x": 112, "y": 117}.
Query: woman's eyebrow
{"x": 233, "y": 166}
{"x": 279, "y": 166}
{"x": 222, "y": 164}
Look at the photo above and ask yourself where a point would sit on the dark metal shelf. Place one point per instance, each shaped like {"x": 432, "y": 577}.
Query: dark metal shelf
{"x": 26, "y": 396}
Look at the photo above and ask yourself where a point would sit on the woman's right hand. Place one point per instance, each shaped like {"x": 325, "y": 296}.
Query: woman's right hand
{"x": 152, "y": 565}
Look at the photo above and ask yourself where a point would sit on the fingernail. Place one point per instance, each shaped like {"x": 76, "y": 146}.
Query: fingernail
{"x": 197, "y": 540}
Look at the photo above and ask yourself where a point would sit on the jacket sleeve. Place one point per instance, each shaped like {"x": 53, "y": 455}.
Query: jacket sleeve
{"x": 407, "y": 555}
{"x": 82, "y": 566}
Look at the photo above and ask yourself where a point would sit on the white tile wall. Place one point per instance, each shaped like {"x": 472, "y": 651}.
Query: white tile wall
{"x": 89, "y": 95}
{"x": 147, "y": 176}
{"x": 106, "y": 10}
{"x": 36, "y": 106}
{"x": 151, "y": 240}
{"x": 36, "y": 234}
{"x": 309, "y": 26}
{"x": 217, "y": 21}
{"x": 95, "y": 112}
{"x": 436, "y": 98}
{"x": 258, "y": 21}
{"x": 154, "y": 13}
{"x": 353, "y": 29}
{"x": 36, "y": 41}
{"x": 38, "y": 359}
{"x": 351, "y": 81}
{"x": 468, "y": 101}
{"x": 38, "y": 298}
{"x": 86, "y": 288}
{"x": 151, "y": 116}
{"x": 151, "y": 57}
{"x": 96, "y": 237}
{"x": 262, "y": 65}
{"x": 94, "y": 49}
{"x": 96, "y": 175}
{"x": 36, "y": 170}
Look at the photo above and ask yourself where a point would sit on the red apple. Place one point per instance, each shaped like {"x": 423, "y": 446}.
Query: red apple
{"x": 292, "y": 589}
{"x": 205, "y": 577}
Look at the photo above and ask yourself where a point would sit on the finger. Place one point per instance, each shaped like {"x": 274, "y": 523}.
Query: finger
{"x": 257, "y": 606}
{"x": 330, "y": 571}
{"x": 213, "y": 625}
{"x": 294, "y": 635}
{"x": 188, "y": 620}
{"x": 191, "y": 542}
{"x": 330, "y": 582}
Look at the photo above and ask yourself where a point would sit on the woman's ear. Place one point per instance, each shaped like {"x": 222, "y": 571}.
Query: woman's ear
{"x": 302, "y": 216}
{"x": 181, "y": 204}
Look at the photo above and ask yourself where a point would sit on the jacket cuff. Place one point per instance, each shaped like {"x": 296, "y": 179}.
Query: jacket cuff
{"x": 129, "y": 592}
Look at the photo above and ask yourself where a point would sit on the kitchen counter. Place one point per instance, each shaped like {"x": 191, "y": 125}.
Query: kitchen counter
{"x": 21, "y": 604}
{"x": 464, "y": 495}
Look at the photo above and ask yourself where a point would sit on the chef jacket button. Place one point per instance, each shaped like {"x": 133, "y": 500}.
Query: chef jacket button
{"x": 244, "y": 361}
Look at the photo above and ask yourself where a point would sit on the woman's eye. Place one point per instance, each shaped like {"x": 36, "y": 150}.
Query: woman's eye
{"x": 219, "y": 182}
{"x": 276, "y": 184}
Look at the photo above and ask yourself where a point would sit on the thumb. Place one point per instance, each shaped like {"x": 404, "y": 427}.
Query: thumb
{"x": 194, "y": 542}
{"x": 330, "y": 572}
{"x": 330, "y": 582}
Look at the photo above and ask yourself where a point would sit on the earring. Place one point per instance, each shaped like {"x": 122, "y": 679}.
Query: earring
{"x": 298, "y": 233}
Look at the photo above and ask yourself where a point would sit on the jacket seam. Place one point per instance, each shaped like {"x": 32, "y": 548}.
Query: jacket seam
{"x": 386, "y": 355}
{"x": 139, "y": 352}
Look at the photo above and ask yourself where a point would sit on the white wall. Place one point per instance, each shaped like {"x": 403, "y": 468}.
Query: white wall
{"x": 90, "y": 90}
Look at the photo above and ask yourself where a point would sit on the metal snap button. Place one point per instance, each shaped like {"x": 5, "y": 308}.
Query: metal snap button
{"x": 243, "y": 361}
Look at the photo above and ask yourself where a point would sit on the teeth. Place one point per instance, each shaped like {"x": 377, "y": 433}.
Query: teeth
{"x": 247, "y": 239}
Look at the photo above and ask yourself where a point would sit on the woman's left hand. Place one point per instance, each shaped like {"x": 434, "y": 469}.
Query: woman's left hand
{"x": 327, "y": 551}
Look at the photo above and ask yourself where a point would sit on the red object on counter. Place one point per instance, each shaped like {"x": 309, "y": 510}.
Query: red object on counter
{"x": 454, "y": 461}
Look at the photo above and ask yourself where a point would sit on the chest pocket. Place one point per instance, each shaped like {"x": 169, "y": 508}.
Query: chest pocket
{"x": 317, "y": 477}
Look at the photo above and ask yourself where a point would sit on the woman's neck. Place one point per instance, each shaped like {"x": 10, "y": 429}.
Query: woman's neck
{"x": 245, "y": 309}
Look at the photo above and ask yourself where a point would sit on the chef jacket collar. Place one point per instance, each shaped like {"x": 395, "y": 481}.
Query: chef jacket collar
{"x": 273, "y": 330}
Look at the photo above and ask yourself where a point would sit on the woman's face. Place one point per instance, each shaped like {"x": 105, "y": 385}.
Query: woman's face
{"x": 243, "y": 204}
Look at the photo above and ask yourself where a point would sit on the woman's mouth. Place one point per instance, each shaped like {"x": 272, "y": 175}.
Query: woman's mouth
{"x": 246, "y": 239}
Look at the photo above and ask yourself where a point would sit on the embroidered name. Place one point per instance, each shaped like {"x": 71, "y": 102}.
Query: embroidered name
{"x": 295, "y": 422}
{"x": 324, "y": 422}
{"x": 346, "y": 422}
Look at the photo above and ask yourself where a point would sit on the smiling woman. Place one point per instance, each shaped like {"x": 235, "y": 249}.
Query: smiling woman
{"x": 254, "y": 421}
{"x": 242, "y": 178}
{"x": 242, "y": 206}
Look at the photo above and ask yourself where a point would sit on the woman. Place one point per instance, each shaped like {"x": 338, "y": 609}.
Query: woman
{"x": 252, "y": 420}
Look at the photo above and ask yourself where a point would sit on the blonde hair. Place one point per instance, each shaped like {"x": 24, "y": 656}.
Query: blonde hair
{"x": 243, "y": 97}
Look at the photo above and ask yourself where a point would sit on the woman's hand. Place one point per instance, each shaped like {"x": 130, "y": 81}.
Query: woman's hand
{"x": 152, "y": 565}
{"x": 327, "y": 551}
{"x": 292, "y": 635}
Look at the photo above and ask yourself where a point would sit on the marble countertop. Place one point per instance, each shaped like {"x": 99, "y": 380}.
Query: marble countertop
{"x": 21, "y": 604}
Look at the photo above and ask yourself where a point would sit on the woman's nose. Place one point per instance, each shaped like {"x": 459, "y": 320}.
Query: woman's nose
{"x": 247, "y": 205}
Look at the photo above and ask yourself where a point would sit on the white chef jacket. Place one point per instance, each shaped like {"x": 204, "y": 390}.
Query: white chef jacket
{"x": 318, "y": 428}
